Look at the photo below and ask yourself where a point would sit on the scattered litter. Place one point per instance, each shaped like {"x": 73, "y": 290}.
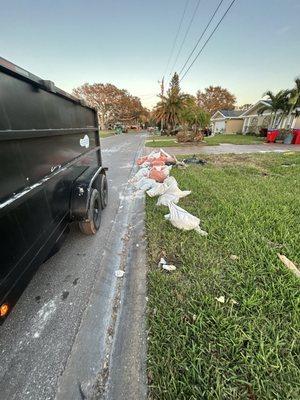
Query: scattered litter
{"x": 194, "y": 160}
{"x": 119, "y": 273}
{"x": 181, "y": 219}
{"x": 232, "y": 301}
{"x": 289, "y": 264}
{"x": 162, "y": 261}
{"x": 220, "y": 299}
{"x": 234, "y": 257}
{"x": 169, "y": 267}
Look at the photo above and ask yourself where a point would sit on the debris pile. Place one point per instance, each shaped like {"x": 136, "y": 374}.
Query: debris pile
{"x": 154, "y": 177}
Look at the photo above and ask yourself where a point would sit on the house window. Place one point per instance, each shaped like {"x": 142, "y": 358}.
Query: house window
{"x": 253, "y": 124}
{"x": 266, "y": 122}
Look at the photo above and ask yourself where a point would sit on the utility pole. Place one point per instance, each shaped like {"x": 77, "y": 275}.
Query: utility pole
{"x": 162, "y": 91}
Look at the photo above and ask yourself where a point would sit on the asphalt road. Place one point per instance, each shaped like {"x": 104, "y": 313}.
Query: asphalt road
{"x": 66, "y": 333}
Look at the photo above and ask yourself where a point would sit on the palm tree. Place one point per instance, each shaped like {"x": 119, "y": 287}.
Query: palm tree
{"x": 294, "y": 99}
{"x": 278, "y": 102}
{"x": 170, "y": 107}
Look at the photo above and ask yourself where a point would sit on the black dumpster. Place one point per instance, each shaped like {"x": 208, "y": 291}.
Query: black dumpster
{"x": 50, "y": 173}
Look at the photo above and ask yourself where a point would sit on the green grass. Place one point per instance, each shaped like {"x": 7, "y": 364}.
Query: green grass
{"x": 199, "y": 348}
{"x": 162, "y": 143}
{"x": 167, "y": 141}
{"x": 104, "y": 134}
{"x": 233, "y": 139}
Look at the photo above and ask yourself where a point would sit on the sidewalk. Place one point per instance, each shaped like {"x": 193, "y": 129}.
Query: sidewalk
{"x": 229, "y": 148}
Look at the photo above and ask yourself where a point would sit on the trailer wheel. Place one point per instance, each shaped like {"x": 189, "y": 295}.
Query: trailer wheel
{"x": 92, "y": 224}
{"x": 103, "y": 190}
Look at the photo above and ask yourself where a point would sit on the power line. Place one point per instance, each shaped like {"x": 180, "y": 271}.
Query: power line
{"x": 201, "y": 36}
{"x": 176, "y": 36}
{"x": 208, "y": 39}
{"x": 185, "y": 36}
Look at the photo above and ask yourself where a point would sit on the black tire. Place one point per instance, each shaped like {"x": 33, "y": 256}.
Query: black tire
{"x": 103, "y": 190}
{"x": 92, "y": 224}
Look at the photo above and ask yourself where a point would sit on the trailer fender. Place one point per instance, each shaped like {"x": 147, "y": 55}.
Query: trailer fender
{"x": 81, "y": 192}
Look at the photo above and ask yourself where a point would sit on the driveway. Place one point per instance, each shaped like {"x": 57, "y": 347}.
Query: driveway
{"x": 77, "y": 330}
{"x": 224, "y": 148}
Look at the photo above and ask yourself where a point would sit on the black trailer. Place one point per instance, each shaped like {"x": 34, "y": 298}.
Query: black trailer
{"x": 50, "y": 173}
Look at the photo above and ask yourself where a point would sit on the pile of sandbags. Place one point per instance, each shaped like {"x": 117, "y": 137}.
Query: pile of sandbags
{"x": 156, "y": 159}
{"x": 153, "y": 177}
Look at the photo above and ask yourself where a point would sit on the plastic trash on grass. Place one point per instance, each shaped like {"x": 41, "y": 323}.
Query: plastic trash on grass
{"x": 167, "y": 267}
{"x": 181, "y": 219}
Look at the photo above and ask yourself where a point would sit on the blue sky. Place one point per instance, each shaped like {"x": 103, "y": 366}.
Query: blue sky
{"x": 128, "y": 43}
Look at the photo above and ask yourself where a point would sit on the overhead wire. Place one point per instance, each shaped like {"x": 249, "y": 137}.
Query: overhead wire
{"x": 208, "y": 39}
{"x": 185, "y": 36}
{"x": 176, "y": 36}
{"x": 201, "y": 36}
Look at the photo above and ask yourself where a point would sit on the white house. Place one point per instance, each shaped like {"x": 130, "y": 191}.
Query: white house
{"x": 254, "y": 120}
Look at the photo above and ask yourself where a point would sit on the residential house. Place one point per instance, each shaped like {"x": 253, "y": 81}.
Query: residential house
{"x": 227, "y": 121}
{"x": 254, "y": 121}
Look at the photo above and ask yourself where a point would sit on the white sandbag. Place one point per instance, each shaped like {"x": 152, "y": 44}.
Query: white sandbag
{"x": 157, "y": 190}
{"x": 145, "y": 183}
{"x": 165, "y": 199}
{"x": 143, "y": 172}
{"x": 170, "y": 180}
{"x": 181, "y": 219}
{"x": 172, "y": 194}
{"x": 160, "y": 188}
{"x": 154, "y": 154}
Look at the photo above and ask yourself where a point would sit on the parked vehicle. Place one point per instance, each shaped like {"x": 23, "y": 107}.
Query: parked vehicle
{"x": 50, "y": 173}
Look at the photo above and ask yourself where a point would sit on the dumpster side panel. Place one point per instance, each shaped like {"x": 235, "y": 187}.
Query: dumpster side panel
{"x": 46, "y": 142}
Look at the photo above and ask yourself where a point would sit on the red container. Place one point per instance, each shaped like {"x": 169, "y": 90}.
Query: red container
{"x": 296, "y": 138}
{"x": 272, "y": 135}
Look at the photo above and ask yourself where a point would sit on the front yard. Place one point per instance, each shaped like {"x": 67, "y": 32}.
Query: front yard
{"x": 233, "y": 139}
{"x": 170, "y": 141}
{"x": 246, "y": 347}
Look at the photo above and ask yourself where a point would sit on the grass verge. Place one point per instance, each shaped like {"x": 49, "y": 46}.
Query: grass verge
{"x": 200, "y": 348}
{"x": 232, "y": 139}
{"x": 162, "y": 143}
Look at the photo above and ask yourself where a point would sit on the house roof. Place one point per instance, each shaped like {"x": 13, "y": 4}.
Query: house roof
{"x": 231, "y": 113}
{"x": 262, "y": 103}
{"x": 227, "y": 113}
